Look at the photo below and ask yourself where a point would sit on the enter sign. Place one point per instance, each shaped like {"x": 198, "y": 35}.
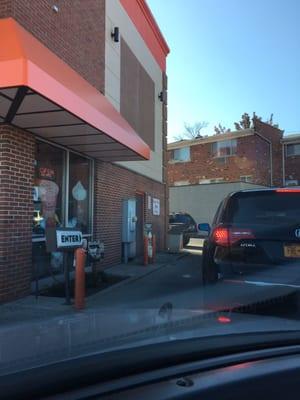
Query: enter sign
{"x": 68, "y": 239}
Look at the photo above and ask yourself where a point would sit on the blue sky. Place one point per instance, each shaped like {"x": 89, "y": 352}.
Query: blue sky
{"x": 229, "y": 57}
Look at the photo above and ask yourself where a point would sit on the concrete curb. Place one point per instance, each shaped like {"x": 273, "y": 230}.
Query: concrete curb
{"x": 129, "y": 280}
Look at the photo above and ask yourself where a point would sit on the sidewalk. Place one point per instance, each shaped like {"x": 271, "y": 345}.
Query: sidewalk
{"x": 31, "y": 309}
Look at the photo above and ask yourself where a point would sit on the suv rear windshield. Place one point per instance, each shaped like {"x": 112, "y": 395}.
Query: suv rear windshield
{"x": 264, "y": 208}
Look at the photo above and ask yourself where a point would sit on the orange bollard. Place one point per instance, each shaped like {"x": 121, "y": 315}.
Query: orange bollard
{"x": 146, "y": 260}
{"x": 154, "y": 248}
{"x": 80, "y": 256}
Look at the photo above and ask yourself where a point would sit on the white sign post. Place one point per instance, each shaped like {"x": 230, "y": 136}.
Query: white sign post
{"x": 65, "y": 240}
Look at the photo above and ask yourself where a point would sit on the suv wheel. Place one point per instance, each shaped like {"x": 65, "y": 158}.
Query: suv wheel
{"x": 209, "y": 268}
{"x": 186, "y": 239}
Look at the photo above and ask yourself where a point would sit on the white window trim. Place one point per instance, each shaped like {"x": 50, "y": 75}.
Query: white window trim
{"x": 181, "y": 183}
{"x": 209, "y": 181}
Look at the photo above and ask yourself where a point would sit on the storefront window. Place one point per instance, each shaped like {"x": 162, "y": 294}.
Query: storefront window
{"x": 48, "y": 189}
{"x": 58, "y": 202}
{"x": 79, "y": 192}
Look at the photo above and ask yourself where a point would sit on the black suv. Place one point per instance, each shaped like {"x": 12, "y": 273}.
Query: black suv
{"x": 252, "y": 229}
{"x": 183, "y": 223}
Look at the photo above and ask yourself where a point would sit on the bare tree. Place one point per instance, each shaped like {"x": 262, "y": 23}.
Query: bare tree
{"x": 220, "y": 129}
{"x": 245, "y": 122}
{"x": 192, "y": 131}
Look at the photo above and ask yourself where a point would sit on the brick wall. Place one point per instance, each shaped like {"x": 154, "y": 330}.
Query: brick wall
{"x": 112, "y": 185}
{"x": 262, "y": 171}
{"x": 76, "y": 33}
{"x": 275, "y": 136}
{"x": 17, "y": 150}
{"x": 252, "y": 158}
{"x": 292, "y": 168}
{"x": 165, "y": 144}
{"x": 204, "y": 166}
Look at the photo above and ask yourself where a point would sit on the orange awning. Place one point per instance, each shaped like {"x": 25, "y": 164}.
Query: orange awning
{"x": 43, "y": 95}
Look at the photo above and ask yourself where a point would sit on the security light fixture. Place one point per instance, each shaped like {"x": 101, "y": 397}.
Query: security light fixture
{"x": 116, "y": 34}
{"x": 55, "y": 8}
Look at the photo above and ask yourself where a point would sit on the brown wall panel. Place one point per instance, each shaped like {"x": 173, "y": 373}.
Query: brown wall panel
{"x": 137, "y": 96}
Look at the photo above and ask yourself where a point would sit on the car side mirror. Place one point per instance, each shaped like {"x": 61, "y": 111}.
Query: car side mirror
{"x": 204, "y": 228}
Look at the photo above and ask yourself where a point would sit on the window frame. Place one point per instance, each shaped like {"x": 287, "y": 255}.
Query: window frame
{"x": 180, "y": 159}
{"x": 65, "y": 187}
{"x": 246, "y": 180}
{"x": 292, "y": 145}
{"x": 219, "y": 143}
{"x": 291, "y": 182}
{"x": 209, "y": 181}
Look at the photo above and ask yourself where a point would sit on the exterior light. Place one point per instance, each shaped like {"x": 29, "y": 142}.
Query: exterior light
{"x": 161, "y": 96}
{"x": 55, "y": 8}
{"x": 116, "y": 34}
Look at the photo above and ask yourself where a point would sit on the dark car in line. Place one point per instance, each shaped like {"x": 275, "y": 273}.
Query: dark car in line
{"x": 183, "y": 223}
{"x": 252, "y": 229}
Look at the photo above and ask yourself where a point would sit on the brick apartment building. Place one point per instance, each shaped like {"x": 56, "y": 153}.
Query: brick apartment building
{"x": 291, "y": 159}
{"x": 260, "y": 155}
{"x": 82, "y": 127}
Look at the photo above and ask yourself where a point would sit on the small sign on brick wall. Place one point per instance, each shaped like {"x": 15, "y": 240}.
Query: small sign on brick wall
{"x": 156, "y": 206}
{"x": 149, "y": 200}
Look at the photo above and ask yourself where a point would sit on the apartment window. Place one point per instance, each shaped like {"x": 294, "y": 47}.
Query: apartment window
{"x": 291, "y": 182}
{"x": 246, "y": 178}
{"x": 293, "y": 149}
{"x": 182, "y": 154}
{"x": 224, "y": 148}
{"x": 181, "y": 183}
{"x": 213, "y": 180}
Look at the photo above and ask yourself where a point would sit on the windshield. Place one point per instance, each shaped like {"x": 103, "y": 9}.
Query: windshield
{"x": 149, "y": 174}
{"x": 269, "y": 208}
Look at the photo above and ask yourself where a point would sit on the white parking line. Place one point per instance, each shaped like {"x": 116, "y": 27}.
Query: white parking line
{"x": 261, "y": 283}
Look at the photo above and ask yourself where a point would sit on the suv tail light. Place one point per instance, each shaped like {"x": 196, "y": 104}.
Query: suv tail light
{"x": 228, "y": 236}
{"x": 287, "y": 190}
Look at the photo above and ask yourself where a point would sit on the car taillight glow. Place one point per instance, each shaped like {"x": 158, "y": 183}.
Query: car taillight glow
{"x": 224, "y": 320}
{"x": 287, "y": 190}
{"x": 228, "y": 236}
{"x": 221, "y": 236}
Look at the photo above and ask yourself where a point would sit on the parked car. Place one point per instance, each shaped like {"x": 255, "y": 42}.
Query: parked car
{"x": 252, "y": 229}
{"x": 182, "y": 222}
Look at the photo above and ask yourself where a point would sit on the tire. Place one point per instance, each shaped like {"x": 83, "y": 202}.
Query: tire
{"x": 209, "y": 268}
{"x": 186, "y": 239}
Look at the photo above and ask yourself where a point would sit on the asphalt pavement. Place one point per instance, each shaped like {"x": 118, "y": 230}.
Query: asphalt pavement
{"x": 179, "y": 286}
{"x": 178, "y": 283}
{"x": 170, "y": 300}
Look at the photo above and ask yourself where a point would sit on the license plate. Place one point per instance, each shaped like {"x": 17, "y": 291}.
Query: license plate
{"x": 292, "y": 251}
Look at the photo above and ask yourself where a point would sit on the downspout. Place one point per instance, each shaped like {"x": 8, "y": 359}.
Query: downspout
{"x": 271, "y": 155}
